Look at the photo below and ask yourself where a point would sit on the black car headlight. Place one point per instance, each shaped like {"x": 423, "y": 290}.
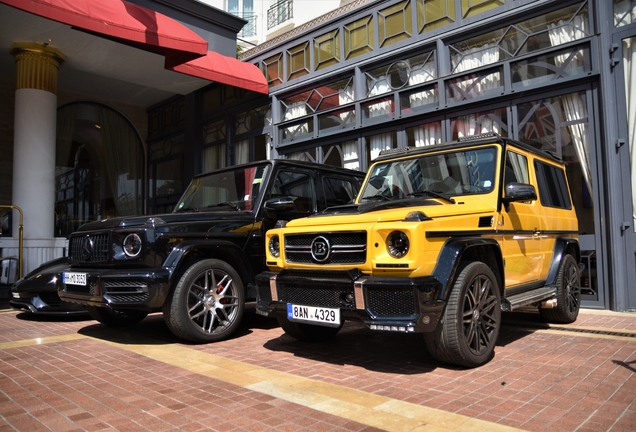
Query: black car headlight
{"x": 397, "y": 243}
{"x": 132, "y": 245}
{"x": 274, "y": 246}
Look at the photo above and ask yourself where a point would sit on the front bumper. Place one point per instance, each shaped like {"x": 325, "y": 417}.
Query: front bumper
{"x": 47, "y": 303}
{"x": 382, "y": 303}
{"x": 144, "y": 289}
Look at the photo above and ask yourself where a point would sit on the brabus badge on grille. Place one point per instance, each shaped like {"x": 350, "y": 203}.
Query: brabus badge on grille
{"x": 320, "y": 249}
{"x": 87, "y": 248}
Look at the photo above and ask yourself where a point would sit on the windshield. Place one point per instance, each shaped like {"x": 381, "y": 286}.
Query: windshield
{"x": 439, "y": 175}
{"x": 236, "y": 190}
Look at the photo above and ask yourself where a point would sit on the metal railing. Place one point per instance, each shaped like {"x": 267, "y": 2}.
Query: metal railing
{"x": 249, "y": 29}
{"x": 20, "y": 236}
{"x": 279, "y": 13}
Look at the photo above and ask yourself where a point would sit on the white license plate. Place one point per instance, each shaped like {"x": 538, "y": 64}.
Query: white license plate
{"x": 69, "y": 278}
{"x": 311, "y": 314}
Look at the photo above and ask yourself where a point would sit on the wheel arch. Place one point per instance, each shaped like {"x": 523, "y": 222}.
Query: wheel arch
{"x": 187, "y": 253}
{"x": 562, "y": 246}
{"x": 456, "y": 252}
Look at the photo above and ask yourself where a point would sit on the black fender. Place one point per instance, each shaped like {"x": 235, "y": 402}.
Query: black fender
{"x": 222, "y": 250}
{"x": 450, "y": 257}
{"x": 561, "y": 247}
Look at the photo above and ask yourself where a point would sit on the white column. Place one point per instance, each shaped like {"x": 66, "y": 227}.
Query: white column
{"x": 34, "y": 148}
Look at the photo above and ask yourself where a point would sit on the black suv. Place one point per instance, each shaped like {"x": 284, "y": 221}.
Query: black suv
{"x": 197, "y": 264}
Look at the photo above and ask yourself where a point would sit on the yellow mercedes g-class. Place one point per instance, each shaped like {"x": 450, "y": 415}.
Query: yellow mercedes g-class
{"x": 441, "y": 240}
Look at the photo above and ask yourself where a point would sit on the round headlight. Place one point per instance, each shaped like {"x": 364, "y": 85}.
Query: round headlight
{"x": 274, "y": 246}
{"x": 397, "y": 243}
{"x": 132, "y": 245}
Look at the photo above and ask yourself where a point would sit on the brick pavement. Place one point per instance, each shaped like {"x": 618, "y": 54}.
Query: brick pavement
{"x": 62, "y": 374}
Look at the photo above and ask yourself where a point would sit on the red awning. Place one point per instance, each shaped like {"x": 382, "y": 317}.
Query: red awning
{"x": 120, "y": 20}
{"x": 225, "y": 70}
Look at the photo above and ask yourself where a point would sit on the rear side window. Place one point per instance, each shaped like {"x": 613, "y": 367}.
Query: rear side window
{"x": 339, "y": 191}
{"x": 553, "y": 190}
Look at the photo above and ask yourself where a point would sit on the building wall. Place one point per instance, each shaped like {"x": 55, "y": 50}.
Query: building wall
{"x": 7, "y": 102}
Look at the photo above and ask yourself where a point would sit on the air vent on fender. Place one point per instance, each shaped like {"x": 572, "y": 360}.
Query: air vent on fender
{"x": 485, "y": 221}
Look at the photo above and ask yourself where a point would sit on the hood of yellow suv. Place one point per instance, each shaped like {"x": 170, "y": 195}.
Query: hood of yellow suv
{"x": 392, "y": 211}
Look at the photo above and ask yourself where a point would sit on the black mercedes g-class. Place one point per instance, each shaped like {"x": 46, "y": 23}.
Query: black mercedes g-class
{"x": 197, "y": 264}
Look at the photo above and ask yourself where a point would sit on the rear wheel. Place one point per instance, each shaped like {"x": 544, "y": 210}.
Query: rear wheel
{"x": 467, "y": 333}
{"x": 116, "y": 317}
{"x": 568, "y": 294}
{"x": 308, "y": 332}
{"x": 207, "y": 304}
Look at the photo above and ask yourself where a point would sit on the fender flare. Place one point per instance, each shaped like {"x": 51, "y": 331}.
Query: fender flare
{"x": 220, "y": 249}
{"x": 561, "y": 245}
{"x": 449, "y": 259}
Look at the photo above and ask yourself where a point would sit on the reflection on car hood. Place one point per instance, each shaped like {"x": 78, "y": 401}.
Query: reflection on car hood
{"x": 42, "y": 278}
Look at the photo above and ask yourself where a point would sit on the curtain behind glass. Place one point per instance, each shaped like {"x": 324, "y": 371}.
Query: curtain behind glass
{"x": 64, "y": 138}
{"x": 629, "y": 59}
{"x": 121, "y": 161}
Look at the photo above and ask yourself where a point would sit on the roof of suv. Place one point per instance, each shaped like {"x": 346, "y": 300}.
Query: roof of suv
{"x": 486, "y": 138}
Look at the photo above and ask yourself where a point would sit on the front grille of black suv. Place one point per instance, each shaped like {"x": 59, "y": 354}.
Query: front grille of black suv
{"x": 346, "y": 247}
{"x": 90, "y": 248}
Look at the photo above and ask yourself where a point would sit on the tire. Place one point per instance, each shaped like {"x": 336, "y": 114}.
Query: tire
{"x": 568, "y": 294}
{"x": 116, "y": 317}
{"x": 207, "y": 303}
{"x": 308, "y": 332}
{"x": 468, "y": 331}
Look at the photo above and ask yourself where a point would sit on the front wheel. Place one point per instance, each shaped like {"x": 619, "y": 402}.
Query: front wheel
{"x": 308, "y": 332}
{"x": 468, "y": 331}
{"x": 568, "y": 294}
{"x": 207, "y": 304}
{"x": 116, "y": 317}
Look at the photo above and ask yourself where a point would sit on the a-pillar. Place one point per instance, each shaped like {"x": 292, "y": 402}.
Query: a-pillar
{"x": 34, "y": 145}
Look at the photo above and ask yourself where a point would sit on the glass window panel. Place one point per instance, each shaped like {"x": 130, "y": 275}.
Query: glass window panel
{"x": 273, "y": 69}
{"x": 168, "y": 178}
{"x": 401, "y": 74}
{"x": 475, "y": 7}
{"x": 337, "y": 120}
{"x": 327, "y": 49}
{"x": 358, "y": 37}
{"x": 481, "y": 122}
{"x": 561, "y": 64}
{"x": 545, "y": 31}
{"x": 475, "y": 85}
{"x": 213, "y": 158}
{"x": 624, "y": 12}
{"x": 308, "y": 155}
{"x": 211, "y": 98}
{"x": 344, "y": 154}
{"x": 433, "y": 14}
{"x": 377, "y": 111}
{"x": 298, "y": 61}
{"x": 376, "y": 143}
{"x": 419, "y": 100}
{"x": 424, "y": 135}
{"x": 298, "y": 131}
{"x": 394, "y": 23}
{"x": 214, "y": 132}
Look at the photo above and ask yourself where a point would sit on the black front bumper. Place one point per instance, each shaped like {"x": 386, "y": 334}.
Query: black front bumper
{"x": 144, "y": 289}
{"x": 383, "y": 303}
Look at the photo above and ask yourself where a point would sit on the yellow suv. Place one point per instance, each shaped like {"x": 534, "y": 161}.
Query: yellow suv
{"x": 440, "y": 241}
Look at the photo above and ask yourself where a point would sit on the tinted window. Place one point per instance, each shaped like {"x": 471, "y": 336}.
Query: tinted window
{"x": 553, "y": 190}
{"x": 338, "y": 191}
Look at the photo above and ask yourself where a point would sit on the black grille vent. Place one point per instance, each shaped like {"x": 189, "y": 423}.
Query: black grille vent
{"x": 485, "y": 221}
{"x": 391, "y": 302}
{"x": 125, "y": 286}
{"x": 123, "y": 298}
{"x": 345, "y": 247}
{"x": 315, "y": 288}
{"x": 91, "y": 248}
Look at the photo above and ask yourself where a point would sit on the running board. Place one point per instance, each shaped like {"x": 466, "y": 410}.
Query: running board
{"x": 529, "y": 297}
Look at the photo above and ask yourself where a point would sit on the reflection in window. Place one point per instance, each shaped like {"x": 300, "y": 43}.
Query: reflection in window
{"x": 475, "y": 85}
{"x": 624, "y": 12}
{"x": 545, "y": 31}
{"x": 560, "y": 64}
{"x": 99, "y": 166}
{"x": 308, "y": 155}
{"x": 344, "y": 155}
{"x": 478, "y": 123}
{"x": 376, "y": 143}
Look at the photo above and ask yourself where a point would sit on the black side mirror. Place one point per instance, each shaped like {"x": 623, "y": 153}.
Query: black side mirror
{"x": 279, "y": 205}
{"x": 516, "y": 192}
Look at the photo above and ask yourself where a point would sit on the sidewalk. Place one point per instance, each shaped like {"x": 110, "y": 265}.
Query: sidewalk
{"x": 79, "y": 375}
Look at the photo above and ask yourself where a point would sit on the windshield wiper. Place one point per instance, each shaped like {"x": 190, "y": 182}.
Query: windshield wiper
{"x": 432, "y": 194}
{"x": 194, "y": 209}
{"x": 227, "y": 204}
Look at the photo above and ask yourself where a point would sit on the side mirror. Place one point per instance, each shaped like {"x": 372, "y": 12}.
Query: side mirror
{"x": 279, "y": 204}
{"x": 516, "y": 192}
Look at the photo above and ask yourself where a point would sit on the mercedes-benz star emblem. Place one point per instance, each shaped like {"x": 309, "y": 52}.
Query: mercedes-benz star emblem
{"x": 87, "y": 248}
{"x": 320, "y": 249}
